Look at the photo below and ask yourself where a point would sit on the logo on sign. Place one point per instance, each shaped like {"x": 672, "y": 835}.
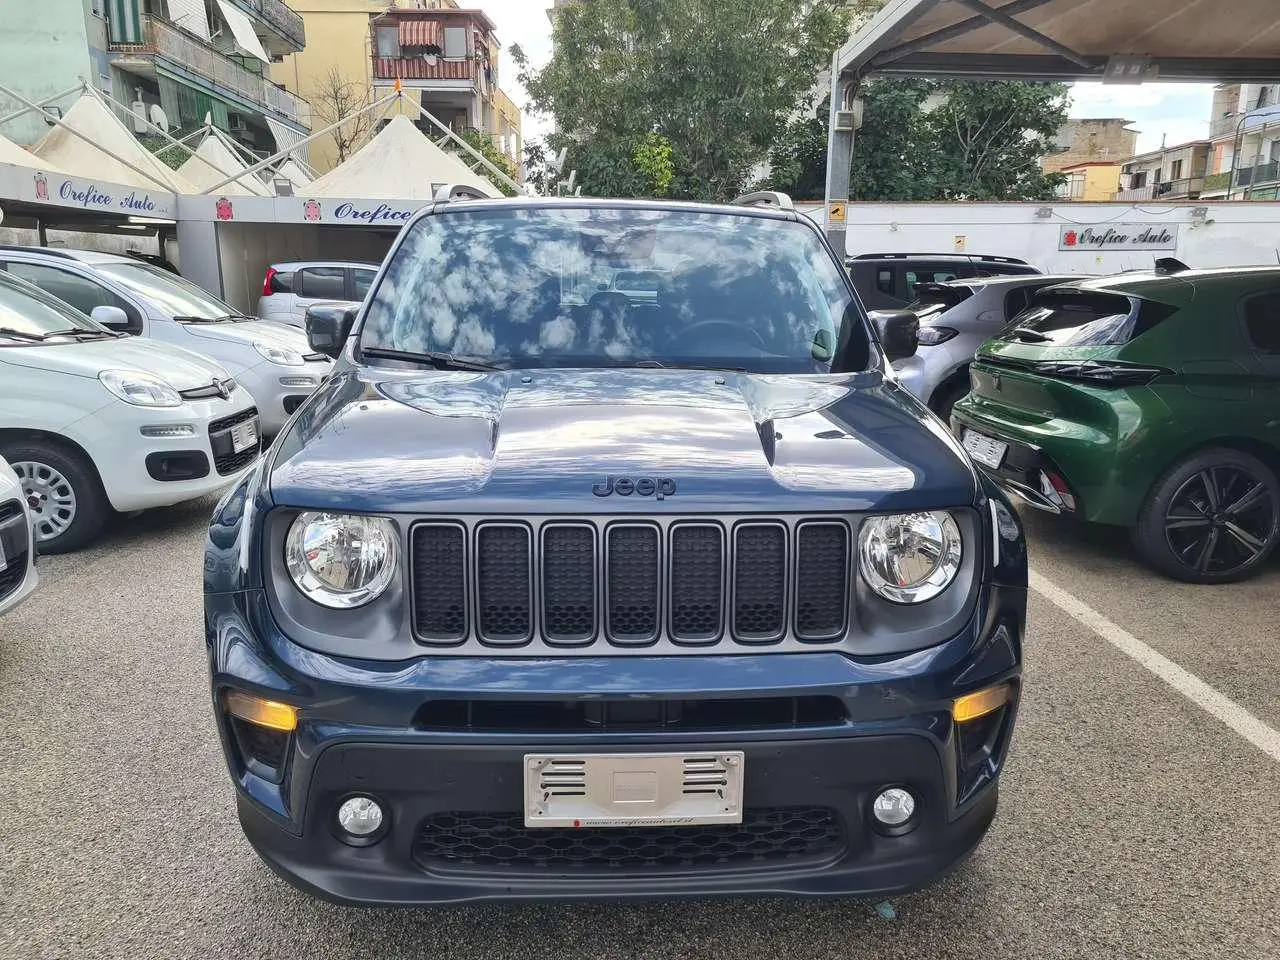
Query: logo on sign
{"x": 42, "y": 187}
{"x": 379, "y": 214}
{"x": 223, "y": 210}
{"x": 311, "y": 211}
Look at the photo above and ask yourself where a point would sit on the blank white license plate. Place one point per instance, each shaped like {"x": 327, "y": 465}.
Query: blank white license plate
{"x": 244, "y": 435}
{"x": 632, "y": 789}
{"x": 988, "y": 452}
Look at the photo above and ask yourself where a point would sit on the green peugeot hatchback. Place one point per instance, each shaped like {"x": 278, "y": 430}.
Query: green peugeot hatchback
{"x": 1146, "y": 400}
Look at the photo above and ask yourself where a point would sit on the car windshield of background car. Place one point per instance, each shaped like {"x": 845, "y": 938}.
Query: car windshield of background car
{"x": 36, "y": 315}
{"x": 173, "y": 294}
{"x": 508, "y": 286}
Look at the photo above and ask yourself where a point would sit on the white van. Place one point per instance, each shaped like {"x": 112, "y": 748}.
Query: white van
{"x": 270, "y": 360}
{"x": 93, "y": 421}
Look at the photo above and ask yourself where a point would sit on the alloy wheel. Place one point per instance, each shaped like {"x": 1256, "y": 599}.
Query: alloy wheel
{"x": 1220, "y": 520}
{"x": 49, "y": 495}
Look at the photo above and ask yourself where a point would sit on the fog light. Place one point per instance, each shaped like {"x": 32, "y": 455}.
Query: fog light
{"x": 894, "y": 807}
{"x": 298, "y": 382}
{"x": 361, "y": 817}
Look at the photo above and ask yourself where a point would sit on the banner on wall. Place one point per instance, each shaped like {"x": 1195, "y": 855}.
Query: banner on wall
{"x": 1118, "y": 236}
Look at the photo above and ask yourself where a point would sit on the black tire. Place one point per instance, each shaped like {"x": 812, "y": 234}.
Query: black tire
{"x": 1214, "y": 517}
{"x": 945, "y": 397}
{"x": 90, "y": 508}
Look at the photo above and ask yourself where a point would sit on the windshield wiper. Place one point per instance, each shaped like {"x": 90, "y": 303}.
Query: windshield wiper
{"x": 82, "y": 332}
{"x": 1027, "y": 335}
{"x": 441, "y": 361}
{"x": 202, "y": 319}
{"x": 677, "y": 365}
{"x": 21, "y": 334}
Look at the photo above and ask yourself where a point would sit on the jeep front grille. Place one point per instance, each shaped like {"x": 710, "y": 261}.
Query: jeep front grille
{"x": 630, "y": 583}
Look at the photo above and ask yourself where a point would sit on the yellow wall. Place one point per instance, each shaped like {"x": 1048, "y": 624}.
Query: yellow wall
{"x": 1100, "y": 181}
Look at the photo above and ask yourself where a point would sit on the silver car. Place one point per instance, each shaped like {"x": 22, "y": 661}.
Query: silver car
{"x": 956, "y": 317}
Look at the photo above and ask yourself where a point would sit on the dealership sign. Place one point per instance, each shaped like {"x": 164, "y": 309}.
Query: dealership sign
{"x": 28, "y": 185}
{"x": 1119, "y": 236}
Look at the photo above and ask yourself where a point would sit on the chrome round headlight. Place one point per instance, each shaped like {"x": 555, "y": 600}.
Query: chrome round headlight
{"x": 341, "y": 560}
{"x": 910, "y": 557}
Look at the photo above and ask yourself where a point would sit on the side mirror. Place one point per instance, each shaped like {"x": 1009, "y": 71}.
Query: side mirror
{"x": 328, "y": 326}
{"x": 111, "y": 317}
{"x": 823, "y": 346}
{"x": 899, "y": 332}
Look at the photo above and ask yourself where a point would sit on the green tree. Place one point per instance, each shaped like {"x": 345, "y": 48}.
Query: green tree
{"x": 933, "y": 140}
{"x": 716, "y": 80}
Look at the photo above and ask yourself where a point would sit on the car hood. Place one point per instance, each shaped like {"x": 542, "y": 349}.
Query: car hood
{"x": 248, "y": 331}
{"x": 545, "y": 440}
{"x": 181, "y": 369}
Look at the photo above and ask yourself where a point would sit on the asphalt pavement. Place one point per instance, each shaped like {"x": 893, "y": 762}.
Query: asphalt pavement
{"x": 1133, "y": 823}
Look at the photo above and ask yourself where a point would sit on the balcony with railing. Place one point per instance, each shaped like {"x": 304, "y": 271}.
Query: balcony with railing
{"x": 1258, "y": 174}
{"x": 189, "y": 53}
{"x": 1187, "y": 188}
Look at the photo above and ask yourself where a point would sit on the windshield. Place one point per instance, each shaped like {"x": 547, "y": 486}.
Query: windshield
{"x": 935, "y": 299}
{"x": 169, "y": 292}
{"x": 28, "y": 314}
{"x": 507, "y": 286}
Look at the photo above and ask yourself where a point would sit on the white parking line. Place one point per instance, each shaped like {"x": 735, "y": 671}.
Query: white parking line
{"x": 1263, "y": 736}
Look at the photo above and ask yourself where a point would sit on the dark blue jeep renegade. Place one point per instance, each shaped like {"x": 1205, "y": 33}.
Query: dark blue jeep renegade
{"x": 613, "y": 562}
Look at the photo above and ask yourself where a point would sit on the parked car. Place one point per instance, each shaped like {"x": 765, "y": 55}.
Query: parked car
{"x": 289, "y": 288}
{"x": 1143, "y": 400}
{"x": 93, "y": 421}
{"x": 270, "y": 360}
{"x": 956, "y": 316}
{"x": 18, "y": 576}
{"x": 669, "y": 599}
{"x": 888, "y": 281}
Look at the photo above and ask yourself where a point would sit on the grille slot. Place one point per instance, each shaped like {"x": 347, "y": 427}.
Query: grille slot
{"x": 440, "y": 582}
{"x": 704, "y": 777}
{"x": 768, "y": 836}
{"x": 569, "y": 583}
{"x": 697, "y": 583}
{"x": 10, "y": 509}
{"x": 759, "y": 582}
{"x": 504, "y": 601}
{"x": 563, "y": 778}
{"x": 822, "y": 580}
{"x": 633, "y": 572}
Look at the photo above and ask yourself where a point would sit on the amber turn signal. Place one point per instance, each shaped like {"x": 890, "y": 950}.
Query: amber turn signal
{"x": 263, "y": 713}
{"x": 978, "y": 704}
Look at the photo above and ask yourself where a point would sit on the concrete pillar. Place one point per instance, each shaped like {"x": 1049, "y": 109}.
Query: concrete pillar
{"x": 198, "y": 254}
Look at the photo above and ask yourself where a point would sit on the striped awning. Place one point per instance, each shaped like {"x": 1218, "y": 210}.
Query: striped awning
{"x": 124, "y": 21}
{"x": 421, "y": 33}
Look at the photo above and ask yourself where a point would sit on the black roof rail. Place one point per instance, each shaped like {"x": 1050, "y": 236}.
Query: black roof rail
{"x": 459, "y": 191}
{"x": 26, "y": 248}
{"x": 972, "y": 257}
{"x": 765, "y": 198}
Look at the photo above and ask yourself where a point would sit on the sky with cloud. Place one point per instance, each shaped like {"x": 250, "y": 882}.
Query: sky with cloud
{"x": 1176, "y": 112}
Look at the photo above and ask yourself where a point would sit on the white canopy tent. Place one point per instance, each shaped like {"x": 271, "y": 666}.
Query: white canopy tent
{"x": 399, "y": 163}
{"x": 14, "y": 155}
{"x": 293, "y": 171}
{"x": 213, "y": 161}
{"x": 101, "y": 147}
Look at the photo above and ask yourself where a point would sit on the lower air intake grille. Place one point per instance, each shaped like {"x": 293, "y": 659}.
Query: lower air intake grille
{"x": 780, "y": 836}
{"x": 760, "y": 582}
{"x": 503, "y": 587}
{"x": 439, "y": 582}
{"x": 633, "y": 583}
{"x": 822, "y": 580}
{"x": 11, "y": 576}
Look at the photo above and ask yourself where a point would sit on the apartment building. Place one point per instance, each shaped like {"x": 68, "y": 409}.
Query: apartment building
{"x": 1244, "y": 134}
{"x": 1090, "y": 181}
{"x": 173, "y": 62}
{"x": 444, "y": 57}
{"x": 1171, "y": 173}
{"x": 1079, "y": 141}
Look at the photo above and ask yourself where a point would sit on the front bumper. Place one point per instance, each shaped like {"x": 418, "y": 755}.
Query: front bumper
{"x": 453, "y": 789}
{"x": 278, "y": 390}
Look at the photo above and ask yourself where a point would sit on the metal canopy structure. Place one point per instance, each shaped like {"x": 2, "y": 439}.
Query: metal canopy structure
{"x": 1113, "y": 41}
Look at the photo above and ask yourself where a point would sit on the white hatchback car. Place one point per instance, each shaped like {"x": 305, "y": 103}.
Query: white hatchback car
{"x": 270, "y": 360}
{"x": 91, "y": 420}
{"x": 290, "y": 288}
{"x": 18, "y": 576}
